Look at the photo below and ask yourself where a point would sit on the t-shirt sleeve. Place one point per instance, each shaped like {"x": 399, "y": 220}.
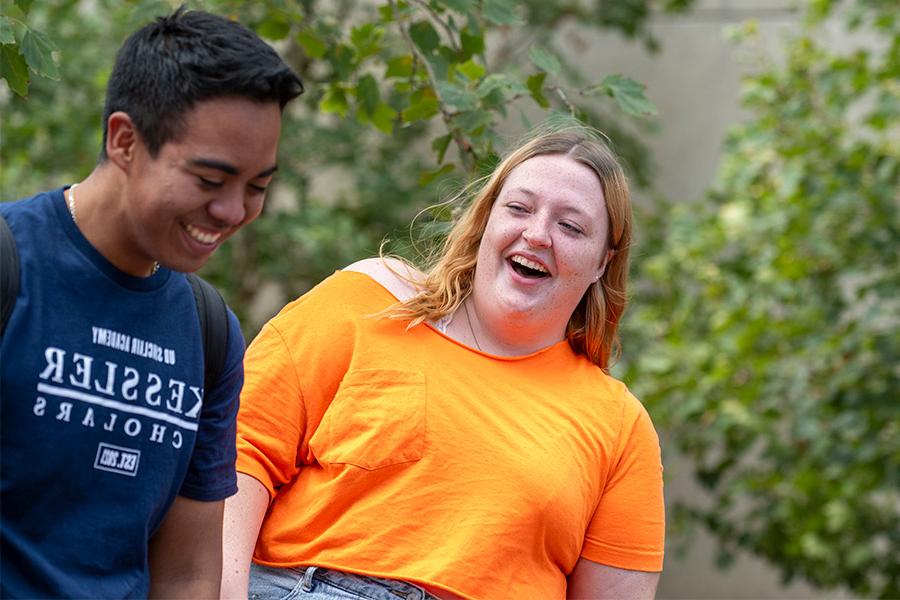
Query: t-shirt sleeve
{"x": 627, "y": 530}
{"x": 270, "y": 424}
{"x": 293, "y": 370}
{"x": 210, "y": 475}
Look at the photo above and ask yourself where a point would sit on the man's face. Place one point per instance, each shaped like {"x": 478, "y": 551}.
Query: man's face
{"x": 203, "y": 186}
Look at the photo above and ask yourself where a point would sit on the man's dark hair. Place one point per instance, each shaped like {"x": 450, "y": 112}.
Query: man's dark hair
{"x": 168, "y": 65}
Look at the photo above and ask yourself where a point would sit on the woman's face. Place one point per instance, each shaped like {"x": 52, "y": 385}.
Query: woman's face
{"x": 544, "y": 244}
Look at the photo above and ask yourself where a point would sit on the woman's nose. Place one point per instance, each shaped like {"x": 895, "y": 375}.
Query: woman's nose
{"x": 537, "y": 235}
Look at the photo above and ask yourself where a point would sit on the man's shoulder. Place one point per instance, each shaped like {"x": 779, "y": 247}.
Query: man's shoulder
{"x": 38, "y": 204}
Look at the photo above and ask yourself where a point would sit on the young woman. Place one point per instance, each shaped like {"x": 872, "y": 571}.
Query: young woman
{"x": 454, "y": 433}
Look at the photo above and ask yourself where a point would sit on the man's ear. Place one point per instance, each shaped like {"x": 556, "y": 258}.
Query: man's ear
{"x": 121, "y": 140}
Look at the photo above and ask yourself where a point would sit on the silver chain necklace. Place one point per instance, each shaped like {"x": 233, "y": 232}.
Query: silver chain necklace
{"x": 70, "y": 201}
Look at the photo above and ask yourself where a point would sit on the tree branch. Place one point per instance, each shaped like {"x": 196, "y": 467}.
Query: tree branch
{"x": 442, "y": 23}
{"x": 466, "y": 151}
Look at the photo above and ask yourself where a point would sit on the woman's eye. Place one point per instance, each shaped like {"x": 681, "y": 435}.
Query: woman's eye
{"x": 258, "y": 189}
{"x": 517, "y": 208}
{"x": 571, "y": 227}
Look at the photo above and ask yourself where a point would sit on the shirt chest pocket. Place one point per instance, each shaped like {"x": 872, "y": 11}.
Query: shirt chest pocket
{"x": 377, "y": 419}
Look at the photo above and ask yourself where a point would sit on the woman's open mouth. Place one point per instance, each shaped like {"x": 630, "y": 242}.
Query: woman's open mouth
{"x": 527, "y": 268}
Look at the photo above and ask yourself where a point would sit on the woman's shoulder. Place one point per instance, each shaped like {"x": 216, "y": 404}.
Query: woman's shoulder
{"x": 398, "y": 277}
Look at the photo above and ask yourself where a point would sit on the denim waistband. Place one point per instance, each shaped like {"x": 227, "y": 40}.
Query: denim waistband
{"x": 314, "y": 583}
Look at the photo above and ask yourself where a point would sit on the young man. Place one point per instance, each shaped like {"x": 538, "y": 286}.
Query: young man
{"x": 115, "y": 459}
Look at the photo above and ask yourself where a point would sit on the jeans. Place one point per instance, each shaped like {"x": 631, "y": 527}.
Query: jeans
{"x": 317, "y": 583}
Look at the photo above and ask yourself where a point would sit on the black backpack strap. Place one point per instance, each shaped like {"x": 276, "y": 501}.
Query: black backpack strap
{"x": 9, "y": 273}
{"x": 214, "y": 327}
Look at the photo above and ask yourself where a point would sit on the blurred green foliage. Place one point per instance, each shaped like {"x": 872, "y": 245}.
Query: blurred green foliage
{"x": 404, "y": 102}
{"x": 769, "y": 314}
{"x": 764, "y": 332}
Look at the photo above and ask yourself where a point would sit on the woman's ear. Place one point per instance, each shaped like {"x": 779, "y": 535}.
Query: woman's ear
{"x": 121, "y": 139}
{"x": 604, "y": 263}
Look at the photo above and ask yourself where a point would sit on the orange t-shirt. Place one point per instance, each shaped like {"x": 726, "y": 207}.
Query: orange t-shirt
{"x": 404, "y": 454}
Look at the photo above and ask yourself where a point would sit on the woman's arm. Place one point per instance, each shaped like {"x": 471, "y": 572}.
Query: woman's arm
{"x": 590, "y": 580}
{"x": 244, "y": 514}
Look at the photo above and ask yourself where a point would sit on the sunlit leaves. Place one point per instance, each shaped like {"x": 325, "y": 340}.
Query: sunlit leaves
{"x": 6, "y": 31}
{"x": 24, "y": 49}
{"x": 440, "y": 145}
{"x": 535, "y": 85}
{"x": 399, "y": 94}
{"x": 423, "y": 105}
{"x": 545, "y": 60}
{"x": 424, "y": 36}
{"x": 628, "y": 93}
{"x": 13, "y": 69}
{"x": 311, "y": 43}
{"x": 334, "y": 101}
{"x": 501, "y": 12}
{"x": 275, "y": 27}
{"x": 366, "y": 40}
{"x": 472, "y": 70}
{"x": 771, "y": 318}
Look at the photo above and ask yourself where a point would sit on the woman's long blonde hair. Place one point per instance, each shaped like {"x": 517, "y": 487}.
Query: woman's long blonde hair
{"x": 448, "y": 282}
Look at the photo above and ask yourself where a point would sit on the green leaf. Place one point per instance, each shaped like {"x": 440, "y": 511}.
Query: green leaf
{"x": 274, "y": 27}
{"x": 24, "y": 5}
{"x": 440, "y": 145}
{"x": 460, "y": 6}
{"x": 7, "y": 35}
{"x": 492, "y": 83}
{"x": 342, "y": 61}
{"x": 535, "y": 85}
{"x": 440, "y": 64}
{"x": 629, "y": 94}
{"x": 14, "y": 69}
{"x": 472, "y": 42}
{"x": 473, "y": 121}
{"x": 501, "y": 12}
{"x": 471, "y": 69}
{"x": 383, "y": 118}
{"x": 367, "y": 94}
{"x": 400, "y": 66}
{"x": 424, "y": 36}
{"x": 334, "y": 101}
{"x": 311, "y": 43}
{"x": 526, "y": 122}
{"x": 544, "y": 60}
{"x": 366, "y": 39}
{"x": 38, "y": 52}
{"x": 429, "y": 176}
{"x": 457, "y": 96}
{"x": 423, "y": 105}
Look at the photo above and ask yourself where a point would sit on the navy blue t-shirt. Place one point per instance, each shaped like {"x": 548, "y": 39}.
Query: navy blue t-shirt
{"x": 103, "y": 417}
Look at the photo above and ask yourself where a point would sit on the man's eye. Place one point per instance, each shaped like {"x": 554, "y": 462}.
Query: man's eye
{"x": 259, "y": 189}
{"x": 209, "y": 183}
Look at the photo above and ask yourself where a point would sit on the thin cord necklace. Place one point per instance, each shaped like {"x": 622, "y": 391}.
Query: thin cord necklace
{"x": 471, "y": 329}
{"x": 70, "y": 201}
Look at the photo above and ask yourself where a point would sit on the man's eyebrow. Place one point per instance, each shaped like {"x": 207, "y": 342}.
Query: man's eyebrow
{"x": 271, "y": 170}
{"x": 212, "y": 163}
